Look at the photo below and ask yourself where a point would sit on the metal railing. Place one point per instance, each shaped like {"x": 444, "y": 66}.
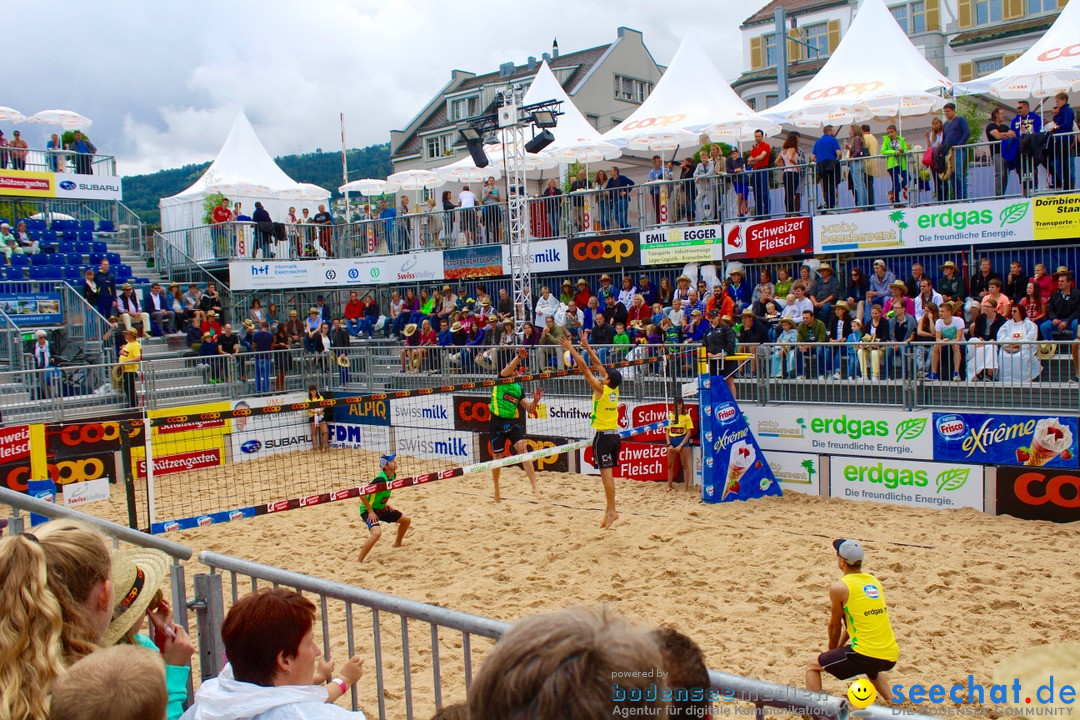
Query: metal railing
{"x": 62, "y": 161}
{"x": 180, "y": 267}
{"x": 82, "y": 325}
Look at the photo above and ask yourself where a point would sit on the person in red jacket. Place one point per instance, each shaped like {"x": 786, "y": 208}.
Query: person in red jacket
{"x": 354, "y": 314}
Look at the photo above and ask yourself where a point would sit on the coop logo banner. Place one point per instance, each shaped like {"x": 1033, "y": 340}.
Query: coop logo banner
{"x": 918, "y": 484}
{"x": 552, "y": 463}
{"x": 1006, "y": 439}
{"x": 734, "y": 465}
{"x": 605, "y": 252}
{"x": 935, "y": 226}
{"x": 827, "y": 430}
{"x": 1035, "y": 494}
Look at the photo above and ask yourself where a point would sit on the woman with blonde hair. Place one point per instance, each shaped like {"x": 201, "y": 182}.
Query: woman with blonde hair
{"x": 56, "y": 601}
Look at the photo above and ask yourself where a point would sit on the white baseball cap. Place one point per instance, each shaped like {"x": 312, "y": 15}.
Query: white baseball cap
{"x": 850, "y": 550}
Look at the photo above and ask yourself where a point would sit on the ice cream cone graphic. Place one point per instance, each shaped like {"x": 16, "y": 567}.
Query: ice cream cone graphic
{"x": 742, "y": 457}
{"x": 1051, "y": 438}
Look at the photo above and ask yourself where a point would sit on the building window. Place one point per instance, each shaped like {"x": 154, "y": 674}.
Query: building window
{"x": 911, "y": 17}
{"x": 770, "y": 49}
{"x": 1035, "y": 7}
{"x": 631, "y": 90}
{"x": 900, "y": 12}
{"x": 988, "y": 65}
{"x": 771, "y": 99}
{"x": 752, "y": 103}
{"x": 987, "y": 11}
{"x": 436, "y": 146}
{"x": 461, "y": 108}
{"x": 817, "y": 37}
{"x": 594, "y": 120}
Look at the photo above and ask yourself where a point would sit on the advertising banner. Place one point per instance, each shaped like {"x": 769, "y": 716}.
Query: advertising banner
{"x": 44, "y": 490}
{"x": 260, "y": 436}
{"x": 604, "y": 252}
{"x": 473, "y": 413}
{"x": 33, "y": 308}
{"x": 278, "y": 274}
{"x": 828, "y": 430}
{"x": 734, "y": 463}
{"x": 414, "y": 267}
{"x": 930, "y": 227}
{"x": 553, "y": 463}
{"x": 32, "y": 183}
{"x": 568, "y": 417}
{"x": 429, "y": 411}
{"x": 548, "y": 256}
{"x": 77, "y": 494}
{"x": 15, "y": 444}
{"x": 918, "y": 484}
{"x": 373, "y": 438}
{"x": 799, "y": 472}
{"x": 680, "y": 245}
{"x": 188, "y": 423}
{"x": 753, "y": 239}
{"x": 455, "y": 447}
{"x": 366, "y": 412}
{"x": 987, "y": 439}
{"x": 1035, "y": 494}
{"x": 211, "y": 456}
{"x": 473, "y": 262}
{"x": 637, "y": 461}
{"x": 78, "y": 439}
{"x": 648, "y": 413}
{"x": 1056, "y": 217}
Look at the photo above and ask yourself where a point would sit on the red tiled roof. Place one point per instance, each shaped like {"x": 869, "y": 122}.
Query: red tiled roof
{"x": 792, "y": 6}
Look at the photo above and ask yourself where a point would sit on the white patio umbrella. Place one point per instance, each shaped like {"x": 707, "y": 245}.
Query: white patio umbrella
{"x": 11, "y": 115}
{"x": 416, "y": 180}
{"x": 587, "y": 152}
{"x": 303, "y": 191}
{"x": 741, "y": 128}
{"x": 241, "y": 188}
{"x": 468, "y": 173}
{"x": 661, "y": 139}
{"x": 67, "y": 119}
{"x": 369, "y": 187}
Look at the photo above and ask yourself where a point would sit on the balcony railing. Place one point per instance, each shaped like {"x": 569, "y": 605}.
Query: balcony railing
{"x": 62, "y": 161}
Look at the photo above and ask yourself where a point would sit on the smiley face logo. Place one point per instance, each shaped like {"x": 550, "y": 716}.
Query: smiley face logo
{"x": 862, "y": 693}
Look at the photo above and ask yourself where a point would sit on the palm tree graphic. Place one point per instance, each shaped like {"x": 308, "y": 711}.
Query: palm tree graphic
{"x": 808, "y": 464}
{"x": 897, "y": 218}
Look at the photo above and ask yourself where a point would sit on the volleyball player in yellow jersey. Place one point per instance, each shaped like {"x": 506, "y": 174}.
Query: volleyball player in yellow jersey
{"x": 605, "y": 420}
{"x": 858, "y": 603}
{"x": 680, "y": 425}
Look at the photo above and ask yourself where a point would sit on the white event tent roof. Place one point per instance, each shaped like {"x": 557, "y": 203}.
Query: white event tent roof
{"x": 875, "y": 71}
{"x": 1048, "y": 67}
{"x": 242, "y": 162}
{"x": 692, "y": 96}
{"x": 572, "y": 130}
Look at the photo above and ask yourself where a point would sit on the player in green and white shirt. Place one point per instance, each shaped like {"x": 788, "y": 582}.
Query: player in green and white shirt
{"x": 376, "y": 509}
{"x": 507, "y": 421}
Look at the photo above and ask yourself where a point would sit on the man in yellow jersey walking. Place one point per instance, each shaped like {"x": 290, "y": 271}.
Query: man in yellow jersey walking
{"x": 507, "y": 424}
{"x": 861, "y": 640}
{"x": 605, "y": 420}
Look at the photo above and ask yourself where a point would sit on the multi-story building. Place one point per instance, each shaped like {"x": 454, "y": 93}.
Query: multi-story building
{"x": 606, "y": 83}
{"x": 965, "y": 39}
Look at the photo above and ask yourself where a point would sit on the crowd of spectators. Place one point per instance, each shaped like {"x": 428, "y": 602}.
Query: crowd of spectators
{"x": 75, "y": 156}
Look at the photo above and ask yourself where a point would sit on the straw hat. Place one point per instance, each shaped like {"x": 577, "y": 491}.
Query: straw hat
{"x": 1045, "y": 351}
{"x": 508, "y": 321}
{"x": 207, "y": 336}
{"x": 313, "y": 311}
{"x": 342, "y": 360}
{"x": 727, "y": 320}
{"x": 824, "y": 266}
{"x": 292, "y": 313}
{"x": 131, "y": 331}
{"x": 212, "y": 313}
{"x": 485, "y": 302}
{"x": 125, "y": 286}
{"x": 446, "y": 287}
{"x": 605, "y": 276}
{"x": 948, "y": 264}
{"x": 746, "y": 312}
{"x": 1062, "y": 270}
{"x": 581, "y": 281}
{"x": 136, "y": 576}
{"x": 787, "y": 320}
{"x": 410, "y": 329}
{"x": 248, "y": 324}
{"x": 682, "y": 277}
{"x": 842, "y": 304}
{"x": 456, "y": 327}
{"x": 567, "y": 283}
{"x": 635, "y": 324}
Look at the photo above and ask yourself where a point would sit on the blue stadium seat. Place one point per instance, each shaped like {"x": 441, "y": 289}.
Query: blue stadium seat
{"x": 59, "y": 259}
{"x": 86, "y": 236}
{"x": 73, "y": 273}
{"x": 123, "y": 271}
{"x": 106, "y": 226}
{"x": 46, "y": 247}
{"x": 39, "y": 272}
{"x": 49, "y": 236}
{"x": 20, "y": 261}
{"x": 39, "y": 259}
{"x": 70, "y": 235}
{"x": 66, "y": 247}
{"x": 96, "y": 258}
{"x": 83, "y": 247}
{"x": 59, "y": 225}
{"x": 98, "y": 246}
{"x": 56, "y": 272}
{"x": 75, "y": 259}
{"x": 37, "y": 224}
{"x": 14, "y": 273}
{"x": 86, "y": 226}
{"x": 113, "y": 258}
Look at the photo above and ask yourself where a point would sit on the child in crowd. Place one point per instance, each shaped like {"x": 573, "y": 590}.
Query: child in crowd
{"x": 117, "y": 683}
{"x": 784, "y": 353}
{"x": 852, "y": 353}
{"x": 622, "y": 338}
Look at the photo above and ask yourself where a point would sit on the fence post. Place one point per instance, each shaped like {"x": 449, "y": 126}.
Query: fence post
{"x": 209, "y": 614}
{"x": 764, "y": 368}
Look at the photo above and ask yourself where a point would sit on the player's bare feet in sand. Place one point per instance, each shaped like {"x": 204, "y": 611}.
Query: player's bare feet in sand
{"x": 609, "y": 518}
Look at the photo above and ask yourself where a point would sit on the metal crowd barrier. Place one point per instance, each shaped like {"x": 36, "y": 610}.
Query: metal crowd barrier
{"x": 62, "y": 161}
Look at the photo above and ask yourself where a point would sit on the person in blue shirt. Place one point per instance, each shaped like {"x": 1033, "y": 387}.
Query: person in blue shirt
{"x": 647, "y": 291}
{"x": 826, "y": 154}
{"x": 738, "y": 289}
{"x": 956, "y": 134}
{"x": 657, "y": 173}
{"x": 1025, "y": 125}
{"x": 620, "y": 197}
{"x": 388, "y": 215}
{"x": 262, "y": 342}
{"x": 446, "y": 338}
{"x": 1063, "y": 120}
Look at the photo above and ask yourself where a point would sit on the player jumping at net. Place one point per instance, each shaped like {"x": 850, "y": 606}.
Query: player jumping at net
{"x": 507, "y": 419}
{"x": 859, "y": 615}
{"x": 377, "y": 510}
{"x": 605, "y": 420}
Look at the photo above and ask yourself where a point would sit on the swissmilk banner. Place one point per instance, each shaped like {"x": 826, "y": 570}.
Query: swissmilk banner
{"x": 734, "y": 465}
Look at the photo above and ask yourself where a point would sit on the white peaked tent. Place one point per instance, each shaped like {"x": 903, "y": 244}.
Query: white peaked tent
{"x": 875, "y": 71}
{"x": 1050, "y": 66}
{"x": 242, "y": 161}
{"x": 692, "y": 96}
{"x": 572, "y": 129}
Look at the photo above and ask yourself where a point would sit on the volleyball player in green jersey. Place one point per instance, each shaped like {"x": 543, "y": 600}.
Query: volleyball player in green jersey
{"x": 507, "y": 422}
{"x": 605, "y": 420}
{"x": 861, "y": 640}
{"x": 375, "y": 508}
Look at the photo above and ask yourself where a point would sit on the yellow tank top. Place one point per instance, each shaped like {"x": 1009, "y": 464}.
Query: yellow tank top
{"x": 868, "y": 619}
{"x": 605, "y": 410}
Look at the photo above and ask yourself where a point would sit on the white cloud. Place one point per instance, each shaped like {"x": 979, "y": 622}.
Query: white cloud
{"x": 162, "y": 81}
